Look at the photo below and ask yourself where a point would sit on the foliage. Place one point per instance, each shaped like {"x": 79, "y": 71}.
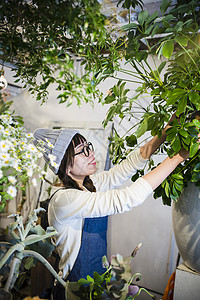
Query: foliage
{"x": 116, "y": 283}
{"x": 18, "y": 156}
{"x": 170, "y": 39}
{"x": 41, "y": 38}
{"x": 24, "y": 248}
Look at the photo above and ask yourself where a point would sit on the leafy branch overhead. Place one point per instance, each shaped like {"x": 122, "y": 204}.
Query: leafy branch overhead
{"x": 41, "y": 38}
{"x": 169, "y": 38}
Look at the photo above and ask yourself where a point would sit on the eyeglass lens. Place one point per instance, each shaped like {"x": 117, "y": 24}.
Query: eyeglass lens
{"x": 89, "y": 147}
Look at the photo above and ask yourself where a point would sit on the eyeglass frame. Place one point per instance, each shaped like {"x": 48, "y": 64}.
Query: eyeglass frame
{"x": 88, "y": 149}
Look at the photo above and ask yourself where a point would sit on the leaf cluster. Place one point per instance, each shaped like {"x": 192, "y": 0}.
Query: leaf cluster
{"x": 170, "y": 38}
{"x": 41, "y": 38}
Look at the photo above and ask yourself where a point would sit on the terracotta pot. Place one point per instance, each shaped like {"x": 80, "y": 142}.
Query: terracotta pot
{"x": 186, "y": 224}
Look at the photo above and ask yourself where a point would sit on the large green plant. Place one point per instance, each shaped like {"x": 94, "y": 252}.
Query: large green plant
{"x": 173, "y": 84}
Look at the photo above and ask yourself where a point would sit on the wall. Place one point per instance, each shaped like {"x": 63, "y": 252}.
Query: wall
{"x": 150, "y": 223}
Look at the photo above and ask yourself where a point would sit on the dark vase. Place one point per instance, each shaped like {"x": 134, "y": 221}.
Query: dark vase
{"x": 186, "y": 225}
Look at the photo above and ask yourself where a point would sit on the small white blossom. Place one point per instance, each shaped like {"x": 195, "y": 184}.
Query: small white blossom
{"x": 29, "y": 135}
{"x": 52, "y": 158}
{"x": 12, "y": 191}
{"x": 4, "y": 146}
{"x": 32, "y": 148}
{"x": 12, "y": 179}
{"x": 34, "y": 182}
{"x": 54, "y": 164}
{"x": 30, "y": 172}
{"x": 1, "y": 174}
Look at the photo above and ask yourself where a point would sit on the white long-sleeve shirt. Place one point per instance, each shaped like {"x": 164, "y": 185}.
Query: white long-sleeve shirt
{"x": 69, "y": 207}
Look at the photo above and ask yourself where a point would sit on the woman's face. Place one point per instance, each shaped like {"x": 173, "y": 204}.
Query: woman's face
{"x": 83, "y": 165}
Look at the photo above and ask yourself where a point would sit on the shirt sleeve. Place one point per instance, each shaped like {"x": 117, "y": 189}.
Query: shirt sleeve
{"x": 119, "y": 173}
{"x": 72, "y": 203}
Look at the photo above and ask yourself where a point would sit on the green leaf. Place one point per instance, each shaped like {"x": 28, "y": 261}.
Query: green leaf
{"x": 164, "y": 6}
{"x": 196, "y": 123}
{"x": 176, "y": 144}
{"x": 83, "y": 281}
{"x": 152, "y": 17}
{"x": 197, "y": 167}
{"x": 197, "y": 86}
{"x": 167, "y": 188}
{"x": 175, "y": 95}
{"x": 168, "y": 49}
{"x": 182, "y": 40}
{"x": 161, "y": 66}
{"x": 89, "y": 278}
{"x": 131, "y": 140}
{"x": 195, "y": 177}
{"x": 181, "y": 105}
{"x": 174, "y": 191}
{"x": 142, "y": 17}
{"x": 193, "y": 149}
{"x": 195, "y": 99}
{"x": 178, "y": 186}
{"x": 183, "y": 132}
{"x": 146, "y": 124}
{"x": 109, "y": 99}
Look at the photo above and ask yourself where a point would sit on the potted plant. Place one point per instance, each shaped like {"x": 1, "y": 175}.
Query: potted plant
{"x": 117, "y": 282}
{"x": 29, "y": 242}
{"x": 170, "y": 39}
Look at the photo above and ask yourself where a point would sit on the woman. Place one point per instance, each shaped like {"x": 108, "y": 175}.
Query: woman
{"x": 84, "y": 196}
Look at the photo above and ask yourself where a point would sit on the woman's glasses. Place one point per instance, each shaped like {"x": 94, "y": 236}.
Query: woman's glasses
{"x": 86, "y": 149}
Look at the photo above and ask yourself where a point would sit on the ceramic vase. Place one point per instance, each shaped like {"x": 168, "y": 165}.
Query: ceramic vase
{"x": 186, "y": 225}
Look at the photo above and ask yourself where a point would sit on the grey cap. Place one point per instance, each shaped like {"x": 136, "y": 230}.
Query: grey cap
{"x": 54, "y": 142}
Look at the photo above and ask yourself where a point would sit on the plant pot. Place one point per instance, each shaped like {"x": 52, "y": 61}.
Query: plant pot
{"x": 5, "y": 295}
{"x": 186, "y": 225}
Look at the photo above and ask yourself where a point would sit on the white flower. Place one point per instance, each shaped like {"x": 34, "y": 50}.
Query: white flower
{"x": 4, "y": 146}
{"x": 52, "y": 159}
{"x": 16, "y": 166}
{"x": 49, "y": 143}
{"x": 1, "y": 174}
{"x": 31, "y": 148}
{"x": 29, "y": 135}
{"x": 30, "y": 172}
{"x": 6, "y": 160}
{"x": 54, "y": 164}
{"x": 34, "y": 182}
{"x": 12, "y": 191}
{"x": 12, "y": 179}
{"x": 6, "y": 132}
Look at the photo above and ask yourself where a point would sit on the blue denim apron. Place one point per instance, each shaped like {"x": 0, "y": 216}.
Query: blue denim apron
{"x": 89, "y": 259}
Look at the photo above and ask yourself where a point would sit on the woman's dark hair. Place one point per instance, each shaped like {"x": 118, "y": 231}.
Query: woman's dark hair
{"x": 68, "y": 160}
